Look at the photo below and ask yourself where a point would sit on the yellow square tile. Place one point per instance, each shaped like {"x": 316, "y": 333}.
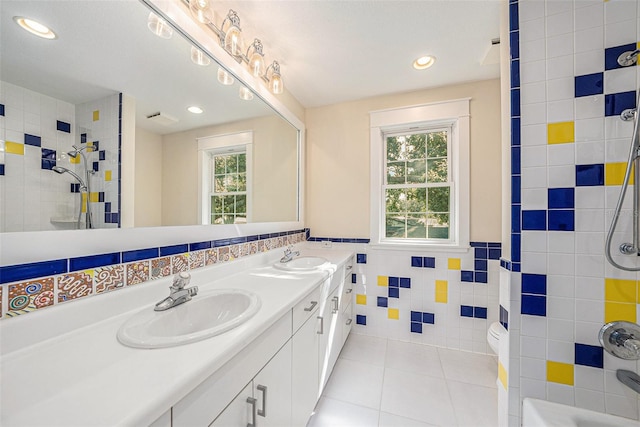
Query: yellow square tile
{"x": 558, "y": 372}
{"x": 14, "y": 148}
{"x": 361, "y": 299}
{"x": 560, "y": 133}
{"x": 84, "y": 202}
{"x": 94, "y": 197}
{"x": 619, "y": 311}
{"x": 383, "y": 281}
{"x": 442, "y": 288}
{"x": 393, "y": 313}
{"x": 454, "y": 263}
{"x": 502, "y": 375}
{"x": 75, "y": 160}
{"x": 614, "y": 173}
{"x": 96, "y": 115}
{"x": 619, "y": 290}
{"x": 107, "y": 175}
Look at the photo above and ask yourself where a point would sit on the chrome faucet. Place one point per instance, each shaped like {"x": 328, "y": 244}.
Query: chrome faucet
{"x": 289, "y": 254}
{"x": 178, "y": 294}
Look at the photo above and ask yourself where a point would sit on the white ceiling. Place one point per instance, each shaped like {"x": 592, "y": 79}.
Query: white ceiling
{"x": 329, "y": 51}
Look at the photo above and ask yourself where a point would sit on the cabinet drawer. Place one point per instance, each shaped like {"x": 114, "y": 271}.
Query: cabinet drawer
{"x": 305, "y": 308}
{"x": 347, "y": 294}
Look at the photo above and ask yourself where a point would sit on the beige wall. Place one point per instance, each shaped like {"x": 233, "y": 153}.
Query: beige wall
{"x": 274, "y": 171}
{"x": 337, "y": 160}
{"x": 148, "y": 183}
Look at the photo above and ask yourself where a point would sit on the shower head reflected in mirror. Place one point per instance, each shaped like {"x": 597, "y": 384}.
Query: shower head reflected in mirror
{"x": 61, "y": 170}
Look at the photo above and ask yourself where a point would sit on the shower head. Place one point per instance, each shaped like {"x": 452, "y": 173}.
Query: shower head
{"x": 74, "y": 153}
{"x": 61, "y": 170}
{"x": 628, "y": 58}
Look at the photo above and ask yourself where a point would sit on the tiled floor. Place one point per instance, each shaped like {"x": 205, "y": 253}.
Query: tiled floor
{"x": 380, "y": 382}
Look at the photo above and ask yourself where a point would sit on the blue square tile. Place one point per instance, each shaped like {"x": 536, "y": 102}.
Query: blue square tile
{"x": 514, "y": 20}
{"x": 466, "y": 311}
{"x": 1, "y": 109}
{"x": 48, "y": 154}
{"x": 515, "y": 218}
{"x": 361, "y": 258}
{"x": 416, "y": 261}
{"x": 394, "y": 292}
{"x": 354, "y": 278}
{"x": 466, "y": 276}
{"x": 616, "y": 103}
{"x": 589, "y": 355}
{"x": 590, "y": 84}
{"x": 480, "y": 312}
{"x": 1, "y": 169}
{"x": 515, "y": 160}
{"x": 47, "y": 164}
{"x": 478, "y": 244}
{"x": 429, "y": 318}
{"x": 515, "y": 266}
{"x": 534, "y": 305}
{"x": 102, "y": 155}
{"x": 394, "y": 282}
{"x": 561, "y": 198}
{"x": 495, "y": 253}
{"x": 361, "y": 320}
{"x": 534, "y": 220}
{"x": 515, "y": 189}
{"x": 589, "y": 175}
{"x": 405, "y": 282}
{"x": 96, "y": 166}
{"x": 63, "y": 126}
{"x": 515, "y": 131}
{"x": 480, "y": 265}
{"x": 416, "y": 328}
{"x": 514, "y": 46}
{"x": 383, "y": 302}
{"x": 515, "y": 102}
{"x": 534, "y": 284}
{"x": 101, "y": 196}
{"x": 611, "y": 55}
{"x": 497, "y": 245}
{"x": 83, "y": 138}
{"x": 107, "y": 207}
{"x": 33, "y": 140}
{"x": 480, "y": 277}
{"x": 416, "y": 316}
{"x": 515, "y": 247}
{"x": 561, "y": 220}
{"x": 428, "y": 262}
{"x": 515, "y": 73}
{"x": 480, "y": 253}
{"x": 95, "y": 145}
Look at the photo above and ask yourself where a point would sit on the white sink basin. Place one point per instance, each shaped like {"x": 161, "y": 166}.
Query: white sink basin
{"x": 204, "y": 316}
{"x": 540, "y": 413}
{"x": 303, "y": 263}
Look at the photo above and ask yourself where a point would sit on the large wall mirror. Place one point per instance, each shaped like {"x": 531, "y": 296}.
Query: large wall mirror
{"x": 108, "y": 93}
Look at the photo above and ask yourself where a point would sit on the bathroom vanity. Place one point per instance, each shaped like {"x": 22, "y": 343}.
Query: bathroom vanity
{"x": 270, "y": 370}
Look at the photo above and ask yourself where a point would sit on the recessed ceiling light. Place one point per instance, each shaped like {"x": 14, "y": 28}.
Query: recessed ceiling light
{"x": 195, "y": 110}
{"x": 34, "y": 27}
{"x": 424, "y": 62}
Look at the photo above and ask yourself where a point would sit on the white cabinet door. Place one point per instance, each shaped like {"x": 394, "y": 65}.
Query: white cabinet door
{"x": 272, "y": 390}
{"x": 241, "y": 412}
{"x": 330, "y": 338}
{"x": 304, "y": 371}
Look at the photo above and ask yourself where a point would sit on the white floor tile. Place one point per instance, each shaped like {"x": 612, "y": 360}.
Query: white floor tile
{"x": 418, "y": 358}
{"x": 474, "y": 405}
{"x": 390, "y": 420}
{"x": 418, "y": 397}
{"x": 472, "y": 368}
{"x": 356, "y": 382}
{"x": 336, "y": 413}
{"x": 366, "y": 349}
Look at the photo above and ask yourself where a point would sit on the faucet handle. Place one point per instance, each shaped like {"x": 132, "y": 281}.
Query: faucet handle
{"x": 180, "y": 281}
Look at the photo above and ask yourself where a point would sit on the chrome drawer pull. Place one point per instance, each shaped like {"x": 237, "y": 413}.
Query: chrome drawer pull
{"x": 321, "y": 331}
{"x": 349, "y": 290}
{"x": 349, "y": 321}
{"x": 263, "y": 389}
{"x": 312, "y": 306}
{"x": 251, "y": 401}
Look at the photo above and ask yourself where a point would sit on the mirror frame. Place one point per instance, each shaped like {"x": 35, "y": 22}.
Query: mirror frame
{"x": 35, "y": 246}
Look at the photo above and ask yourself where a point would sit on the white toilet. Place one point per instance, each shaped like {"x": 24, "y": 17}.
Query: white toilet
{"x": 495, "y": 332}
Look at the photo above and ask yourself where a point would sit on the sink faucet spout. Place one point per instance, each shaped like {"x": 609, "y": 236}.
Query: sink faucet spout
{"x": 289, "y": 254}
{"x": 179, "y": 294}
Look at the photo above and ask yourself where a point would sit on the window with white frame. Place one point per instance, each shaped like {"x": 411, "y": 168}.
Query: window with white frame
{"x": 420, "y": 175}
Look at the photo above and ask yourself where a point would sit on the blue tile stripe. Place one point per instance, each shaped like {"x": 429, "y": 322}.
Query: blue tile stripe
{"x": 140, "y": 254}
{"x": 338, "y": 240}
{"x": 517, "y": 214}
{"x": 94, "y": 261}
{"x": 14, "y": 273}
{"x": 472, "y": 311}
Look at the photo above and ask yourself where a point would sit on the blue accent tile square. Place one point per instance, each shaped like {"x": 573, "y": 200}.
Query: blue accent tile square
{"x": 515, "y": 73}
{"x": 515, "y": 218}
{"x": 93, "y": 261}
{"x": 383, "y": 302}
{"x": 480, "y": 253}
{"x": 589, "y": 355}
{"x": 515, "y": 266}
{"x": 466, "y": 311}
{"x": 107, "y": 218}
{"x": 514, "y": 47}
{"x": 515, "y": 247}
{"x": 13, "y": 273}
{"x": 561, "y": 220}
{"x": 102, "y": 155}
{"x": 1, "y": 109}
{"x": 394, "y": 292}
{"x": 561, "y": 198}
{"x": 429, "y": 262}
{"x": 47, "y": 164}
{"x": 354, "y": 278}
{"x": 589, "y": 175}
{"x": 515, "y": 190}
{"x": 429, "y": 318}
{"x": 515, "y": 132}
{"x": 48, "y": 154}
{"x": 590, "y": 84}
{"x": 83, "y": 138}
{"x": 405, "y": 282}
{"x": 361, "y": 258}
{"x": 107, "y": 207}
{"x": 514, "y": 20}
{"x": 95, "y": 145}
{"x": 101, "y": 196}
{"x": 515, "y": 102}
{"x": 416, "y": 328}
{"x": 361, "y": 320}
{"x": 1, "y": 169}
{"x": 416, "y": 261}
{"x": 495, "y": 253}
{"x": 416, "y": 316}
{"x": 481, "y": 277}
{"x": 611, "y": 55}
{"x": 534, "y": 220}
{"x": 33, "y": 140}
{"x": 480, "y": 312}
{"x": 515, "y": 160}
{"x": 616, "y": 103}
{"x": 497, "y": 245}
{"x": 63, "y": 126}
{"x": 96, "y": 166}
{"x": 466, "y": 276}
{"x": 394, "y": 282}
{"x": 534, "y": 305}
{"x": 534, "y": 284}
{"x": 478, "y": 244}
{"x": 480, "y": 265}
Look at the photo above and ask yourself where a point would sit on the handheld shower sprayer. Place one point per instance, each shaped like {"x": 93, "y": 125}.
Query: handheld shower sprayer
{"x": 61, "y": 170}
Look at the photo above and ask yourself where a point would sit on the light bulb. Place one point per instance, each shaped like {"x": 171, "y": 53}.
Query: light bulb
{"x": 199, "y": 57}
{"x": 224, "y": 77}
{"x": 34, "y": 27}
{"x": 245, "y": 93}
{"x": 256, "y": 64}
{"x": 276, "y": 86}
{"x": 424, "y": 62}
{"x": 201, "y": 10}
{"x": 233, "y": 41}
{"x": 159, "y": 26}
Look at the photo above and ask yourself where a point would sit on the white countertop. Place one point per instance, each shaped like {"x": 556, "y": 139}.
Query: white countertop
{"x": 86, "y": 377}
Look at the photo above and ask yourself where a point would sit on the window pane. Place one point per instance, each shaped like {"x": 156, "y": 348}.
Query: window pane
{"x": 393, "y": 148}
{"x": 218, "y": 165}
{"x": 219, "y": 184}
{"x": 438, "y": 225}
{"x": 437, "y": 144}
{"x": 396, "y": 173}
{"x": 416, "y": 226}
{"x": 395, "y": 200}
{"x": 415, "y": 146}
{"x": 242, "y": 182}
{"x": 416, "y": 171}
{"x": 242, "y": 163}
{"x": 416, "y": 200}
{"x": 229, "y": 204}
{"x": 241, "y": 204}
{"x": 232, "y": 164}
{"x": 438, "y": 199}
{"x": 395, "y": 225}
{"x": 437, "y": 170}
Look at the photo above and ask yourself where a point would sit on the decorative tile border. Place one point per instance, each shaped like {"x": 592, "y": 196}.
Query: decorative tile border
{"x": 29, "y": 287}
